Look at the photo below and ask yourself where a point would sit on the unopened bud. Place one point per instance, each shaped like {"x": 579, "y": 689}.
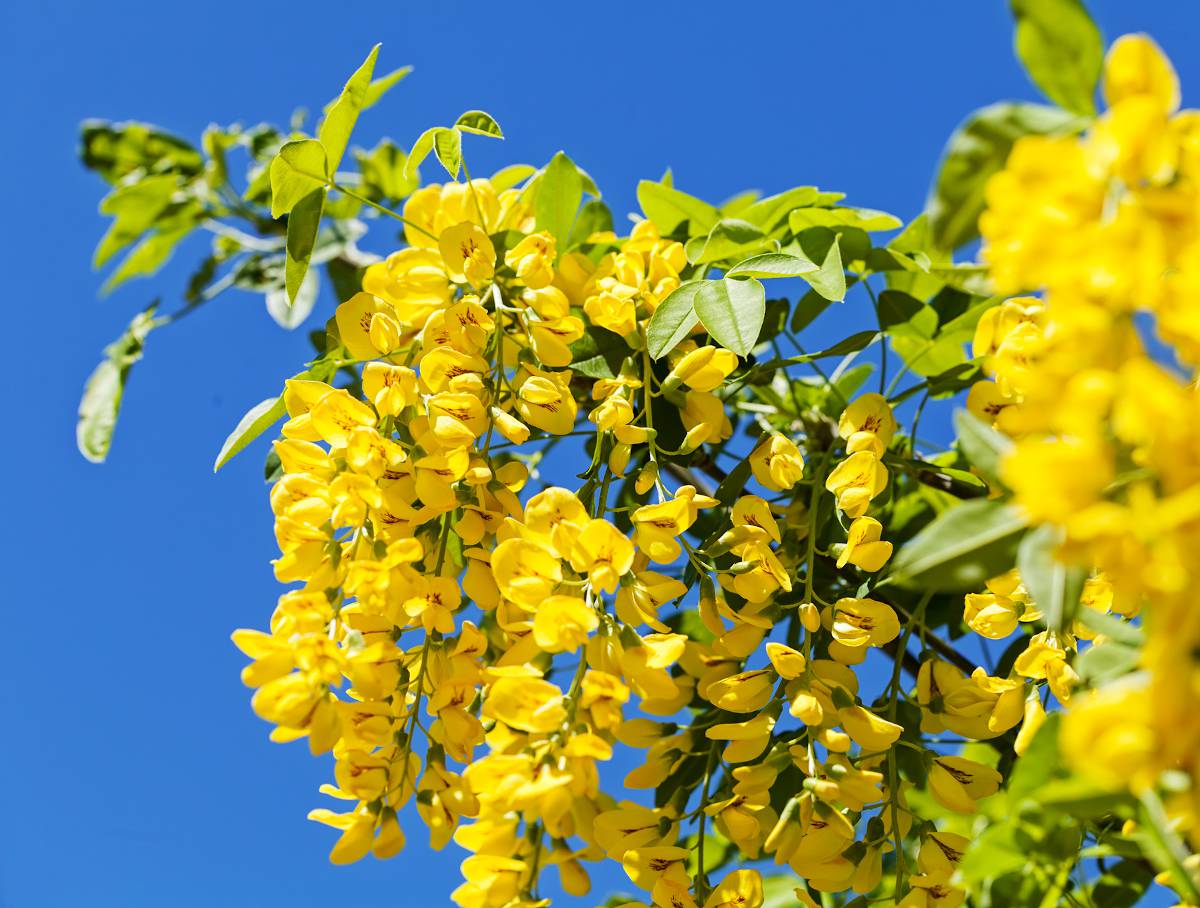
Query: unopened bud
{"x": 618, "y": 458}
{"x": 810, "y": 617}
{"x": 646, "y": 478}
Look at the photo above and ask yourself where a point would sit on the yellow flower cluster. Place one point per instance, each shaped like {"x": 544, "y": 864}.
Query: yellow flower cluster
{"x": 461, "y": 636}
{"x": 1107, "y": 227}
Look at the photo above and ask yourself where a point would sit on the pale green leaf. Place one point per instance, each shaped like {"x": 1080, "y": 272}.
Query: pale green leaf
{"x": 673, "y": 320}
{"x": 447, "y": 147}
{"x": 728, "y": 237}
{"x": 559, "y": 192}
{"x": 668, "y": 208}
{"x": 1054, "y": 587}
{"x": 1062, "y": 50}
{"x": 480, "y": 123}
{"x": 257, "y": 420}
{"x": 963, "y": 546}
{"x": 101, "y": 401}
{"x": 982, "y": 445}
{"x": 774, "y": 264}
{"x": 976, "y": 151}
{"x": 860, "y": 218}
{"x": 334, "y": 133}
{"x": 296, "y": 171}
{"x": 830, "y": 279}
{"x": 291, "y": 314}
{"x": 732, "y": 311}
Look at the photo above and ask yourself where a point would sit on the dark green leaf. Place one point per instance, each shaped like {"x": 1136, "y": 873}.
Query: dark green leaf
{"x": 303, "y": 225}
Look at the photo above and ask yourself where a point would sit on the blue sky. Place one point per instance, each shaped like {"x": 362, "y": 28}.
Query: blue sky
{"x": 136, "y": 773}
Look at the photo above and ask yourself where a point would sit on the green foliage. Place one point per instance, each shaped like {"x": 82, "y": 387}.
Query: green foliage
{"x": 731, "y": 311}
{"x": 101, "y": 403}
{"x": 976, "y": 151}
{"x": 1062, "y": 51}
{"x": 1054, "y": 586}
{"x": 961, "y": 548}
{"x": 559, "y": 194}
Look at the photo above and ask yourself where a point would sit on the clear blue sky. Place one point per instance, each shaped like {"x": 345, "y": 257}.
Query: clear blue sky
{"x": 135, "y": 772}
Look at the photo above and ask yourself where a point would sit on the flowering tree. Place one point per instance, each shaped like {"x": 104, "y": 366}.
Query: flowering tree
{"x": 764, "y": 582}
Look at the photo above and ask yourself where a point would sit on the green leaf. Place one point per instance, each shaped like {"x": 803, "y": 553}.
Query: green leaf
{"x": 384, "y": 171}
{"x": 335, "y": 129}
{"x": 510, "y": 176}
{"x": 963, "y": 546}
{"x": 994, "y": 853}
{"x": 134, "y": 208}
{"x": 447, "y": 147}
{"x": 115, "y": 150}
{"x": 1112, "y": 627}
{"x": 982, "y": 445}
{"x": 257, "y": 420}
{"x": 303, "y": 224}
{"x": 1037, "y": 765}
{"x": 731, "y": 311}
{"x": 774, "y": 264}
{"x": 381, "y": 86}
{"x": 808, "y": 307}
{"x": 559, "y": 192}
{"x": 766, "y": 214}
{"x": 599, "y": 353}
{"x": 291, "y": 314}
{"x": 593, "y": 217}
{"x": 862, "y": 218}
{"x": 734, "y": 483}
{"x": 420, "y": 151}
{"x": 673, "y": 320}
{"x": 298, "y": 170}
{"x": 1062, "y": 51}
{"x": 153, "y": 251}
{"x": 830, "y": 279}
{"x": 728, "y": 237}
{"x": 668, "y": 208}
{"x": 1110, "y": 660}
{"x": 1053, "y": 586}
{"x": 976, "y": 151}
{"x": 480, "y": 123}
{"x": 101, "y": 401}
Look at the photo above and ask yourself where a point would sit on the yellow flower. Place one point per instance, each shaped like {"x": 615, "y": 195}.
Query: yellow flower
{"x": 337, "y": 415}
{"x": 747, "y": 739}
{"x": 863, "y": 546}
{"x": 856, "y": 480}
{"x": 702, "y": 369}
{"x": 525, "y": 703}
{"x": 870, "y": 732}
{"x": 777, "y": 463}
{"x": 864, "y": 622}
{"x": 367, "y": 326}
{"x": 603, "y": 553}
{"x": 657, "y": 526}
{"x": 957, "y": 783}
{"x": 533, "y": 259}
{"x": 1137, "y": 68}
{"x": 867, "y": 424}
{"x": 389, "y": 388}
{"x": 740, "y": 889}
{"x": 562, "y": 623}
{"x": 525, "y": 572}
{"x": 358, "y": 833}
{"x": 544, "y": 400}
{"x": 704, "y": 417}
{"x": 746, "y": 692}
{"x": 468, "y": 253}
